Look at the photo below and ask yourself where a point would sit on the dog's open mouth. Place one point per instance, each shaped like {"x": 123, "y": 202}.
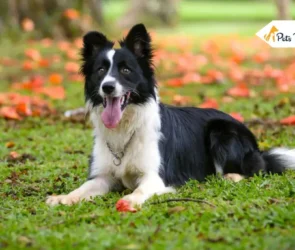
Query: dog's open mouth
{"x": 113, "y": 109}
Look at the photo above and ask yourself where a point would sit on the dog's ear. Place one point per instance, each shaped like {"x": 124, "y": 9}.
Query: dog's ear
{"x": 94, "y": 42}
{"x": 138, "y": 41}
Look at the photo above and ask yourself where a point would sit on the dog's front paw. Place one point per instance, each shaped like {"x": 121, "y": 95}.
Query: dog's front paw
{"x": 125, "y": 206}
{"x": 62, "y": 199}
{"x": 131, "y": 202}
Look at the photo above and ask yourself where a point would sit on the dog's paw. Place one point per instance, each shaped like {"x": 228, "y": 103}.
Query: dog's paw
{"x": 131, "y": 202}
{"x": 234, "y": 177}
{"x": 125, "y": 206}
{"x": 62, "y": 199}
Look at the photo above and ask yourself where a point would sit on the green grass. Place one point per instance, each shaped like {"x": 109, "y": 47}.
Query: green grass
{"x": 221, "y": 11}
{"x": 191, "y": 11}
{"x": 207, "y": 28}
{"x": 257, "y": 213}
{"x": 207, "y": 17}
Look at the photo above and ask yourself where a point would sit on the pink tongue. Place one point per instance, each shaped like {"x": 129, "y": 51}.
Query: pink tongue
{"x": 112, "y": 113}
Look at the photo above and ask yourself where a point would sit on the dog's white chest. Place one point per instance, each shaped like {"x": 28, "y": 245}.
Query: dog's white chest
{"x": 141, "y": 155}
{"x": 131, "y": 167}
{"x": 129, "y": 175}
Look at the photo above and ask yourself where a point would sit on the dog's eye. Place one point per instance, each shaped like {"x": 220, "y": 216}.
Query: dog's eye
{"x": 125, "y": 71}
{"x": 101, "y": 71}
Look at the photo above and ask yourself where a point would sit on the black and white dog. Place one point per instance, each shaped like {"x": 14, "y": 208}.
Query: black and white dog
{"x": 146, "y": 146}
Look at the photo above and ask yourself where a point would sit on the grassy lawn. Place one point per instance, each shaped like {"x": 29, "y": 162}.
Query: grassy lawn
{"x": 207, "y": 17}
{"x": 257, "y": 213}
{"x": 222, "y": 11}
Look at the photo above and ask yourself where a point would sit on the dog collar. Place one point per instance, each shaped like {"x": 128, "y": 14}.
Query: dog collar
{"x": 119, "y": 155}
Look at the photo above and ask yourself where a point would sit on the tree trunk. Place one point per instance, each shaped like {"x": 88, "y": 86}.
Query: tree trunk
{"x": 95, "y": 7}
{"x": 284, "y": 9}
{"x": 49, "y": 16}
{"x": 150, "y": 11}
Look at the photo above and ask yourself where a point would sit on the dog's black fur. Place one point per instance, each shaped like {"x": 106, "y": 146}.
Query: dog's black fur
{"x": 135, "y": 53}
{"x": 194, "y": 140}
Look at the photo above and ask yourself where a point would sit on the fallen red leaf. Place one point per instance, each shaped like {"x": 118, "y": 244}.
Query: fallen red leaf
{"x": 175, "y": 82}
{"x": 27, "y": 65}
{"x": 180, "y": 100}
{"x": 240, "y": 90}
{"x": 57, "y": 92}
{"x": 78, "y": 77}
{"x": 43, "y": 63}
{"x": 73, "y": 54}
{"x": 46, "y": 42}
{"x": 9, "y": 144}
{"x": 271, "y": 72}
{"x": 14, "y": 154}
{"x": 3, "y": 98}
{"x": 72, "y": 67}
{"x": 55, "y": 78}
{"x": 27, "y": 24}
{"x": 236, "y": 74}
{"x": 24, "y": 109}
{"x": 282, "y": 84}
{"x": 261, "y": 57}
{"x": 211, "y": 47}
{"x": 209, "y": 103}
{"x": 78, "y": 43}
{"x": 227, "y": 99}
{"x": 36, "y": 81}
{"x": 216, "y": 75}
{"x": 237, "y": 116}
{"x": 55, "y": 59}
{"x": 71, "y": 14}
{"x": 207, "y": 80}
{"x": 18, "y": 106}
{"x": 63, "y": 45}
{"x": 191, "y": 78}
{"x": 124, "y": 206}
{"x": 15, "y": 98}
{"x": 9, "y": 113}
{"x": 38, "y": 101}
{"x": 237, "y": 58}
{"x": 33, "y": 54}
{"x": 288, "y": 120}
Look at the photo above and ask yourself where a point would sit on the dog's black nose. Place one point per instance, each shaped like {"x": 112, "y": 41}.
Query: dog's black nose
{"x": 108, "y": 87}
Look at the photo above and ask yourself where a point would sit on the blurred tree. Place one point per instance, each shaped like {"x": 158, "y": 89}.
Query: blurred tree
{"x": 150, "y": 11}
{"x": 284, "y": 10}
{"x": 50, "y": 18}
{"x": 96, "y": 10}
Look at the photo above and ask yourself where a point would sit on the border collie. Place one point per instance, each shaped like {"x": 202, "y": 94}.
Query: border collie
{"x": 149, "y": 147}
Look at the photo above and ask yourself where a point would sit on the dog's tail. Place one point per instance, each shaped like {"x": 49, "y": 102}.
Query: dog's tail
{"x": 234, "y": 150}
{"x": 279, "y": 159}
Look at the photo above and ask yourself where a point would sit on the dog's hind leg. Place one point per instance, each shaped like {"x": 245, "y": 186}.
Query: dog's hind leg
{"x": 234, "y": 177}
{"x": 233, "y": 150}
{"x": 97, "y": 186}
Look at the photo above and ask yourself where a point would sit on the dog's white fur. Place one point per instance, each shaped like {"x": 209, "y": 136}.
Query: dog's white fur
{"x": 286, "y": 155}
{"x": 140, "y": 166}
{"x": 108, "y": 78}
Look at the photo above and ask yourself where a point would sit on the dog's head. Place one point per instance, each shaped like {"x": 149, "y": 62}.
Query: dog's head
{"x": 116, "y": 78}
